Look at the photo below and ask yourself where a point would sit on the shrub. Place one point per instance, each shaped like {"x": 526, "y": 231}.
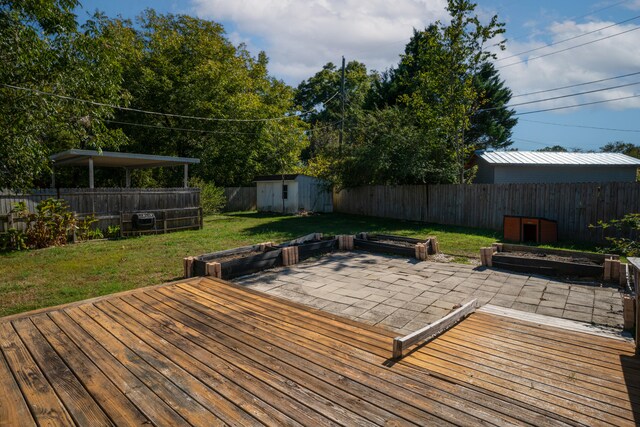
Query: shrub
{"x": 50, "y": 225}
{"x": 113, "y": 232}
{"x": 629, "y": 227}
{"x": 212, "y": 198}
{"x": 84, "y": 230}
{"x": 12, "y": 240}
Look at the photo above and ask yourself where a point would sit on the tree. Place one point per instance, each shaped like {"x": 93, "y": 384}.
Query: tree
{"x": 622, "y": 147}
{"x": 554, "y": 149}
{"x": 41, "y": 50}
{"x": 444, "y": 94}
{"x": 325, "y": 87}
{"x": 189, "y": 68}
{"x": 490, "y": 126}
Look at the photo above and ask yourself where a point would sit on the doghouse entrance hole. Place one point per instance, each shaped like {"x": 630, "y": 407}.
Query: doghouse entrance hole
{"x": 530, "y": 232}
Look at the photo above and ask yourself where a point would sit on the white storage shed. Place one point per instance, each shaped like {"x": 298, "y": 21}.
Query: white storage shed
{"x": 292, "y": 193}
{"x": 517, "y": 167}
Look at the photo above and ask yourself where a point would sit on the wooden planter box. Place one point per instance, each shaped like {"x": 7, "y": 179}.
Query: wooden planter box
{"x": 397, "y": 245}
{"x": 247, "y": 260}
{"x": 251, "y": 259}
{"x": 569, "y": 263}
{"x": 311, "y": 245}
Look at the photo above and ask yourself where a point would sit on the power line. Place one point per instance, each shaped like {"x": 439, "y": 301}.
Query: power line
{"x": 577, "y": 105}
{"x": 558, "y": 97}
{"x": 176, "y": 129}
{"x": 575, "y": 85}
{"x": 569, "y": 48}
{"x": 136, "y": 110}
{"x": 581, "y": 126}
{"x": 574, "y": 18}
{"x": 569, "y": 39}
{"x": 202, "y": 130}
{"x": 530, "y": 141}
{"x": 565, "y": 96}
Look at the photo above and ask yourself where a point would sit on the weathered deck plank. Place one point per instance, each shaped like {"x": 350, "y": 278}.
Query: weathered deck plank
{"x": 205, "y": 352}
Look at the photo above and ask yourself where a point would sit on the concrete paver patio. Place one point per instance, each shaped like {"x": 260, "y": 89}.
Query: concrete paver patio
{"x": 404, "y": 295}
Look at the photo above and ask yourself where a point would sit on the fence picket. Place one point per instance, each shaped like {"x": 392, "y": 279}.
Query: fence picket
{"x": 574, "y": 206}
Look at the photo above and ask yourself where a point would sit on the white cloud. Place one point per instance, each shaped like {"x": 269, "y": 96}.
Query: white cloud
{"x": 611, "y": 57}
{"x": 300, "y": 36}
{"x": 634, "y": 5}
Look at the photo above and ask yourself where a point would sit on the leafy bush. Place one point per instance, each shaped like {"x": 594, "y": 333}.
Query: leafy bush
{"x": 12, "y": 240}
{"x": 212, "y": 198}
{"x": 50, "y": 225}
{"x": 629, "y": 227}
{"x": 84, "y": 230}
{"x": 113, "y": 232}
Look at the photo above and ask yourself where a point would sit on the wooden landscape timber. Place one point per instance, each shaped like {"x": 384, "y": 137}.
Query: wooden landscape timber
{"x": 237, "y": 262}
{"x": 633, "y": 277}
{"x": 400, "y": 344}
{"x": 599, "y": 266}
{"x": 204, "y": 352}
{"x": 397, "y": 245}
{"x": 345, "y": 243}
{"x": 244, "y": 260}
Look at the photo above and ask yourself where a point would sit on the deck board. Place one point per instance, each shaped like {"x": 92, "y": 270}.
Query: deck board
{"x": 206, "y": 352}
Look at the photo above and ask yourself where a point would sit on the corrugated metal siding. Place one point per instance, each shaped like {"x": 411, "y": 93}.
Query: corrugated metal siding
{"x": 485, "y": 173}
{"x": 551, "y": 174}
{"x": 544, "y": 158}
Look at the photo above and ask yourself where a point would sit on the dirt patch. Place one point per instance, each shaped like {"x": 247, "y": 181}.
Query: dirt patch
{"x": 232, "y": 257}
{"x": 550, "y": 257}
{"x": 394, "y": 242}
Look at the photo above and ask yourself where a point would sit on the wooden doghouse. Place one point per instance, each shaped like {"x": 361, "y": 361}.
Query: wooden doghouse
{"x": 530, "y": 229}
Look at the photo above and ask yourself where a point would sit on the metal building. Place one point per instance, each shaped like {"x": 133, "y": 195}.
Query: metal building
{"x": 292, "y": 193}
{"x": 517, "y": 167}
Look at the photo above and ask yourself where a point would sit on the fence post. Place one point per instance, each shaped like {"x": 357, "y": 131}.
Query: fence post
{"x": 75, "y": 235}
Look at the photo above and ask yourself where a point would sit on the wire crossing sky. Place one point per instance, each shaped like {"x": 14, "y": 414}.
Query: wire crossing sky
{"x": 570, "y": 63}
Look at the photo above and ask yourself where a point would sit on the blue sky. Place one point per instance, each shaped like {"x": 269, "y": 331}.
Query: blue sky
{"x": 299, "y": 36}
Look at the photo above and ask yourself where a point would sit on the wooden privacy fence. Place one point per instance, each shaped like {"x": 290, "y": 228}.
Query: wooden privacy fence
{"x": 574, "y": 206}
{"x": 240, "y": 199}
{"x": 108, "y": 203}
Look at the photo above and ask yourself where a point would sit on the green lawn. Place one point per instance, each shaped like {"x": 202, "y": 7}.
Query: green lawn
{"x": 47, "y": 277}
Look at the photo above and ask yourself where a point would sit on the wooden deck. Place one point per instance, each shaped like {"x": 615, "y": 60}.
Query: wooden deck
{"x": 204, "y": 352}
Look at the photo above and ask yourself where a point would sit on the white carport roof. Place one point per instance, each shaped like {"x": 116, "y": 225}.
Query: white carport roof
{"x": 112, "y": 159}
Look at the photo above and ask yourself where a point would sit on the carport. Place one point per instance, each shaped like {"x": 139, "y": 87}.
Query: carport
{"x": 109, "y": 159}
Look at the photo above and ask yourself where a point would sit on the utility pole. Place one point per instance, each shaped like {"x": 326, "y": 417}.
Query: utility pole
{"x": 342, "y": 96}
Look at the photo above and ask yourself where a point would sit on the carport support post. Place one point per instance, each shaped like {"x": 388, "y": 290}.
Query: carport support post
{"x": 53, "y": 177}
{"x": 186, "y": 175}
{"x": 127, "y": 178}
{"x": 90, "y": 172}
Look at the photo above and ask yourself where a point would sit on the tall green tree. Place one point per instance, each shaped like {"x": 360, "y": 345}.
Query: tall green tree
{"x": 445, "y": 97}
{"x": 490, "y": 126}
{"x": 46, "y": 63}
{"x": 321, "y": 96}
{"x": 189, "y": 68}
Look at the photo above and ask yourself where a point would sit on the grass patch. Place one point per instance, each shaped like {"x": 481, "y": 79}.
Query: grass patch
{"x": 48, "y": 277}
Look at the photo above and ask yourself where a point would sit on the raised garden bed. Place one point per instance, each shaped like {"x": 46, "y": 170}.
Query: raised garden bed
{"x": 552, "y": 262}
{"x": 312, "y": 245}
{"x": 397, "y": 245}
{"x": 239, "y": 261}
